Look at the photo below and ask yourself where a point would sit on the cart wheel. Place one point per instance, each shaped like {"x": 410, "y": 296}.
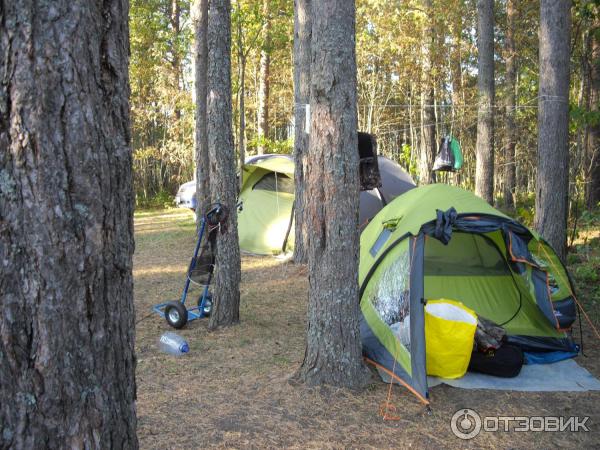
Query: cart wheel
{"x": 207, "y": 305}
{"x": 176, "y": 314}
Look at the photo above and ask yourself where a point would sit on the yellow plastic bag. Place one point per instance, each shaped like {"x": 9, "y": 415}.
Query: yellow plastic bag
{"x": 449, "y": 333}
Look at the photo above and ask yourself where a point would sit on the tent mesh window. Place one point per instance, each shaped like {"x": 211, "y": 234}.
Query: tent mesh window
{"x": 465, "y": 255}
{"x": 276, "y": 182}
{"x": 542, "y": 261}
{"x": 391, "y": 298}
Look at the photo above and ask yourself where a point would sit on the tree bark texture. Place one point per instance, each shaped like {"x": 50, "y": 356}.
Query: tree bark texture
{"x": 428, "y": 122}
{"x": 200, "y": 14}
{"x": 593, "y": 142}
{"x": 302, "y": 38}
{"x": 511, "y": 87}
{"x": 552, "y": 182}
{"x": 333, "y": 351}
{"x": 67, "y": 364}
{"x": 223, "y": 185}
{"x": 484, "y": 168}
{"x": 263, "y": 89}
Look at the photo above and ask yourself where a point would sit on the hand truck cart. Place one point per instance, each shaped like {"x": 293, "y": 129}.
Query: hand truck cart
{"x": 200, "y": 272}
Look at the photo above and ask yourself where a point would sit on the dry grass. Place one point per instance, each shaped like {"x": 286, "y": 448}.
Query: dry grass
{"x": 232, "y": 389}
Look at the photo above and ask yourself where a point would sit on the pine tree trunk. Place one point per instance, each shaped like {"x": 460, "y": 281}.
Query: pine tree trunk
{"x": 302, "y": 38}
{"x": 456, "y": 66}
{"x": 511, "y": 87}
{"x": 175, "y": 61}
{"x": 553, "y": 118}
{"x": 223, "y": 186}
{"x": 579, "y": 160}
{"x": 67, "y": 364}
{"x": 333, "y": 350}
{"x": 457, "y": 77}
{"x": 201, "y": 60}
{"x": 593, "y": 142}
{"x": 428, "y": 124}
{"x": 241, "y": 60}
{"x": 484, "y": 169}
{"x": 242, "y": 107}
{"x": 263, "y": 89}
{"x": 428, "y": 138}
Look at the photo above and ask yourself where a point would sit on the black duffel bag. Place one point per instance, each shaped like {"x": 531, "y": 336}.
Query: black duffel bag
{"x": 505, "y": 362}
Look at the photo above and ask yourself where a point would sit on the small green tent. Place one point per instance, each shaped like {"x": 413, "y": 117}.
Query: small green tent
{"x": 440, "y": 241}
{"x": 265, "y": 222}
{"x": 267, "y": 196}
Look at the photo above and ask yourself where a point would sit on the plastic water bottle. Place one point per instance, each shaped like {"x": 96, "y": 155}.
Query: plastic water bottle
{"x": 173, "y": 344}
{"x": 402, "y": 331}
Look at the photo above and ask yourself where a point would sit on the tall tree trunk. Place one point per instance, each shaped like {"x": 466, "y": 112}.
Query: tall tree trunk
{"x": 593, "y": 142}
{"x": 522, "y": 164}
{"x": 333, "y": 350}
{"x": 242, "y": 108}
{"x": 223, "y": 186}
{"x": 428, "y": 125}
{"x": 511, "y": 92}
{"x": 484, "y": 172}
{"x": 413, "y": 139}
{"x": 553, "y": 117}
{"x": 176, "y": 61}
{"x": 263, "y": 89}
{"x": 456, "y": 63}
{"x": 578, "y": 159}
{"x": 67, "y": 328}
{"x": 200, "y": 14}
{"x": 241, "y": 55}
{"x": 457, "y": 76}
{"x": 302, "y": 38}
{"x": 428, "y": 138}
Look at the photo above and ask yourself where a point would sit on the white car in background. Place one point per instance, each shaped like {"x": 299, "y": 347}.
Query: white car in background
{"x": 186, "y": 195}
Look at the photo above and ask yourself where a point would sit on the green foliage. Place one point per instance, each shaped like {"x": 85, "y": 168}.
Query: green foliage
{"x": 581, "y": 117}
{"x": 161, "y": 200}
{"x": 248, "y": 40}
{"x": 285, "y": 147}
{"x": 393, "y": 40}
{"x": 162, "y": 111}
{"x": 588, "y": 273}
{"x": 405, "y": 160}
{"x": 584, "y": 262}
{"x": 525, "y": 211}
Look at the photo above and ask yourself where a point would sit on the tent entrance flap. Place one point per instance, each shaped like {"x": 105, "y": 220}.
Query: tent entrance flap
{"x": 471, "y": 269}
{"x": 392, "y": 321}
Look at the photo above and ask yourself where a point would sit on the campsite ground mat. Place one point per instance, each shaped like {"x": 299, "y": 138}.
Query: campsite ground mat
{"x": 563, "y": 376}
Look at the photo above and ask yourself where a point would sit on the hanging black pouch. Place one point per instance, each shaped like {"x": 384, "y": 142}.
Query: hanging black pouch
{"x": 444, "y": 162}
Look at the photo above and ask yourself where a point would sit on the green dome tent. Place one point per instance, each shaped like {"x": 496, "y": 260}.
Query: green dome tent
{"x": 267, "y": 197}
{"x": 439, "y": 241}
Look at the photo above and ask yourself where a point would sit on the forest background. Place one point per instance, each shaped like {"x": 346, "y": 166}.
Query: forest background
{"x": 417, "y": 70}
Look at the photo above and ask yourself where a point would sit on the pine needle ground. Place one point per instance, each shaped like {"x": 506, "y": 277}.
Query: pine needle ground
{"x": 232, "y": 389}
